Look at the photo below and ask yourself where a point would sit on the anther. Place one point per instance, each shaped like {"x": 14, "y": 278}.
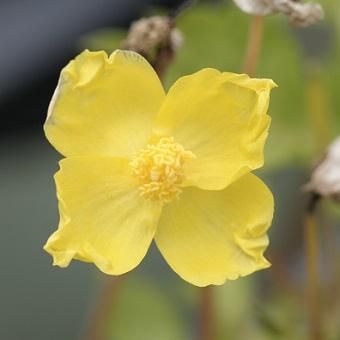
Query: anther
{"x": 159, "y": 168}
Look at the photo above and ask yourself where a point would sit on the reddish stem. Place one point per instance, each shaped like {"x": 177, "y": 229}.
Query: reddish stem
{"x": 106, "y": 300}
{"x": 207, "y": 315}
{"x": 254, "y": 45}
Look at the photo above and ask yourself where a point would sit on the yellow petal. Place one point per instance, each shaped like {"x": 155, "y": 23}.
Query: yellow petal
{"x": 104, "y": 106}
{"x": 208, "y": 237}
{"x": 221, "y": 118}
{"x": 103, "y": 218}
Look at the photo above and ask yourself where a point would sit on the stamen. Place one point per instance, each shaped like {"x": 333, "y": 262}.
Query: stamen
{"x": 159, "y": 167}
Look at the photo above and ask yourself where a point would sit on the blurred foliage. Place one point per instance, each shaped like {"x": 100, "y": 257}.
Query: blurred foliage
{"x": 103, "y": 39}
{"x": 143, "y": 311}
{"x": 235, "y": 306}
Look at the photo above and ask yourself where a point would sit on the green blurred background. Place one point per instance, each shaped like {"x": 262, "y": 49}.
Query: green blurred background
{"x": 38, "y": 301}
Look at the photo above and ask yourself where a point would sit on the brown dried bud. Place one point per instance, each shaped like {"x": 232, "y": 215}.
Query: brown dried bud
{"x": 148, "y": 34}
{"x": 325, "y": 180}
{"x": 299, "y": 14}
{"x": 157, "y": 39}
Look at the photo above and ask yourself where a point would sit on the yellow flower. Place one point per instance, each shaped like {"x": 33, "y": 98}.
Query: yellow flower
{"x": 142, "y": 165}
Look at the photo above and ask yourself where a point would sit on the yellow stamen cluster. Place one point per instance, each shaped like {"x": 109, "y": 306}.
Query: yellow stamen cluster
{"x": 159, "y": 167}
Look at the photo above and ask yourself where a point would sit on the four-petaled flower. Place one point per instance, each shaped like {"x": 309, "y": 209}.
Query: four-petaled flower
{"x": 142, "y": 165}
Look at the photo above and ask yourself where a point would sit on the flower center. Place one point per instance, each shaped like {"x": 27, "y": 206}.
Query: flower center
{"x": 159, "y": 167}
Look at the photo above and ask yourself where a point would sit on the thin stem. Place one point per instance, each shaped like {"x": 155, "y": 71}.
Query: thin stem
{"x": 312, "y": 285}
{"x": 281, "y": 277}
{"x": 254, "y": 45}
{"x": 320, "y": 126}
{"x": 165, "y": 55}
{"x": 182, "y": 7}
{"x": 207, "y": 316}
{"x": 106, "y": 300}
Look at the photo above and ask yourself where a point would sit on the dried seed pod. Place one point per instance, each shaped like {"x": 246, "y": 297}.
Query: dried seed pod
{"x": 325, "y": 179}
{"x": 255, "y": 7}
{"x": 148, "y": 34}
{"x": 157, "y": 39}
{"x": 299, "y": 14}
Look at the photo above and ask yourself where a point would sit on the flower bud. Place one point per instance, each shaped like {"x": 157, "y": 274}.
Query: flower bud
{"x": 325, "y": 180}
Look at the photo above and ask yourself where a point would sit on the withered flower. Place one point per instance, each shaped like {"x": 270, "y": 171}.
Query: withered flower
{"x": 299, "y": 13}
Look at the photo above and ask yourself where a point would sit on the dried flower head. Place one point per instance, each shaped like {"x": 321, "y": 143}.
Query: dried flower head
{"x": 325, "y": 179}
{"x": 147, "y": 34}
{"x": 254, "y": 7}
{"x": 299, "y": 14}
